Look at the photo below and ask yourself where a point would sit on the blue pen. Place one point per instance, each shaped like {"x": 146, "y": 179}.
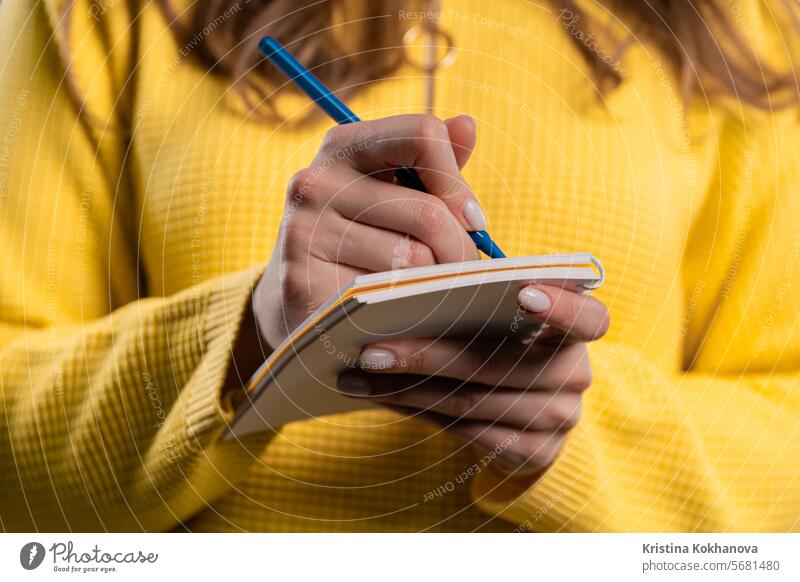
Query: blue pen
{"x": 340, "y": 113}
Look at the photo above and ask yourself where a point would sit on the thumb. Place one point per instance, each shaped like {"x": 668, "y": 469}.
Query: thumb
{"x": 462, "y": 137}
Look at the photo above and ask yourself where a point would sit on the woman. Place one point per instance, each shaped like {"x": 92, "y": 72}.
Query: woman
{"x": 153, "y": 163}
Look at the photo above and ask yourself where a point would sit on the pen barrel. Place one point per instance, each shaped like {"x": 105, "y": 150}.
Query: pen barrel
{"x": 306, "y": 81}
{"x": 409, "y": 178}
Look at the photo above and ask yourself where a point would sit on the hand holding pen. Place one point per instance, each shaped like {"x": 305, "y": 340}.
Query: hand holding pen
{"x": 449, "y": 186}
{"x": 345, "y": 216}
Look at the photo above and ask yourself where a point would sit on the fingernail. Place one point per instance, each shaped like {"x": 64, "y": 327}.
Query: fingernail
{"x": 474, "y": 215}
{"x": 355, "y": 385}
{"x": 533, "y": 300}
{"x": 377, "y": 359}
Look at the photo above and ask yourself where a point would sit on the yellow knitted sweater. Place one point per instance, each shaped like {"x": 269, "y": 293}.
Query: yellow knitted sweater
{"x": 127, "y": 266}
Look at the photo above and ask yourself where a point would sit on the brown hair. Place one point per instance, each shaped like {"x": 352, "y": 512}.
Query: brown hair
{"x": 707, "y": 47}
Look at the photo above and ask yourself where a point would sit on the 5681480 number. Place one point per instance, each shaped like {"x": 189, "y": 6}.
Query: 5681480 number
{"x": 752, "y": 565}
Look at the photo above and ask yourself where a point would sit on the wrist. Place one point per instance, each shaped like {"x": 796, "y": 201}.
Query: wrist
{"x": 248, "y": 353}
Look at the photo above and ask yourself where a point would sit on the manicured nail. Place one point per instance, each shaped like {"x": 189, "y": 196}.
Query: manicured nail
{"x": 377, "y": 359}
{"x": 355, "y": 385}
{"x": 533, "y": 300}
{"x": 474, "y": 215}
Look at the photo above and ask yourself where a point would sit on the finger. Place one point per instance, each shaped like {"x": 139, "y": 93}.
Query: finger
{"x": 301, "y": 236}
{"x": 583, "y": 318}
{"x": 421, "y": 142}
{"x": 515, "y": 450}
{"x": 372, "y": 249}
{"x": 462, "y": 137}
{"x": 493, "y": 363}
{"x": 524, "y": 410}
{"x": 531, "y": 451}
{"x": 391, "y": 207}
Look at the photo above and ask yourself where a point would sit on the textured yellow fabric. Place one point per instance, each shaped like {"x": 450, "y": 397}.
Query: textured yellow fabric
{"x": 127, "y": 265}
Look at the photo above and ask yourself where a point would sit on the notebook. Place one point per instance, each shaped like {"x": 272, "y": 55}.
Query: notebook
{"x": 459, "y": 300}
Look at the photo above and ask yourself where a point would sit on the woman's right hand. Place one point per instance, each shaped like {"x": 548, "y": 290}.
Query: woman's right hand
{"x": 345, "y": 216}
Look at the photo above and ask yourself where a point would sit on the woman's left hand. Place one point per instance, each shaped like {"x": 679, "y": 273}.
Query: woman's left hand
{"x": 516, "y": 400}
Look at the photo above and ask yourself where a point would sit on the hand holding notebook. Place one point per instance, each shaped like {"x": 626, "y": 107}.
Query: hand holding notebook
{"x": 473, "y": 300}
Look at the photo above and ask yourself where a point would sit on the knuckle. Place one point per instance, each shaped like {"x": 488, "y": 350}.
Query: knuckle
{"x": 408, "y": 252}
{"x": 575, "y": 409}
{"x": 431, "y": 217}
{"x": 564, "y": 413}
{"x": 294, "y": 283}
{"x": 301, "y": 185}
{"x": 295, "y": 233}
{"x": 548, "y": 379}
{"x": 334, "y": 137}
{"x": 569, "y": 309}
{"x": 461, "y": 402}
{"x": 579, "y": 376}
{"x": 325, "y": 245}
{"x": 539, "y": 453}
{"x": 416, "y": 361}
{"x": 516, "y": 458}
{"x": 291, "y": 238}
{"x": 488, "y": 369}
{"x": 420, "y": 255}
{"x": 548, "y": 452}
{"x": 431, "y": 130}
{"x": 579, "y": 381}
{"x": 568, "y": 371}
{"x": 452, "y": 190}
